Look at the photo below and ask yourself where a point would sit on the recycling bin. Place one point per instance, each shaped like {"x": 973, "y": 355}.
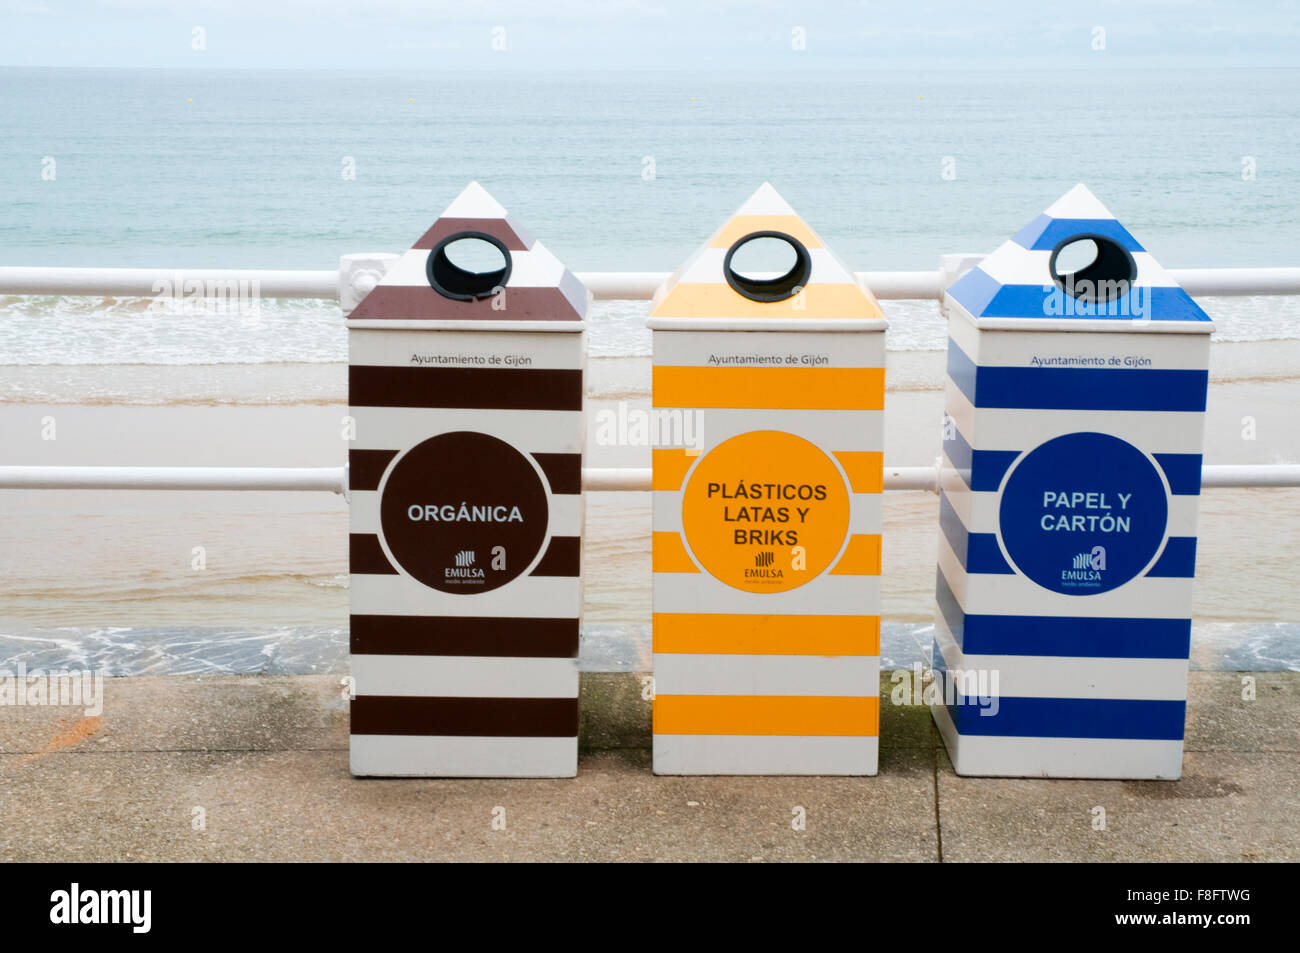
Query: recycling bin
{"x": 1071, "y": 473}
{"x": 465, "y": 392}
{"x": 767, "y": 395}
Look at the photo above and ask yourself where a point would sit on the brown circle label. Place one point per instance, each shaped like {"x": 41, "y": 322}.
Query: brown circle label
{"x": 765, "y": 511}
{"x": 463, "y": 512}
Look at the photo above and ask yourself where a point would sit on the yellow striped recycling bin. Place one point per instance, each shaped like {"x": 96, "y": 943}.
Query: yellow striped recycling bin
{"x": 768, "y": 394}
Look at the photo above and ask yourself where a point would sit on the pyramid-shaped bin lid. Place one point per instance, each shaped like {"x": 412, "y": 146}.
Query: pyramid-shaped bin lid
{"x": 525, "y": 287}
{"x": 817, "y": 292}
{"x": 1029, "y": 283}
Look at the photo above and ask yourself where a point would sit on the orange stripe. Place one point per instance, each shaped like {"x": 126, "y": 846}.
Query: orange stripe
{"x": 865, "y": 469}
{"x": 670, "y": 468}
{"x": 741, "y": 225}
{"x": 669, "y": 555}
{"x": 861, "y": 557}
{"x": 721, "y": 634}
{"x": 769, "y": 388}
{"x": 692, "y": 299}
{"x": 766, "y": 715}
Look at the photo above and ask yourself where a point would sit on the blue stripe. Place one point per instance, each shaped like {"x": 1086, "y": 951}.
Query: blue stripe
{"x": 974, "y": 290}
{"x": 983, "y": 555}
{"x": 988, "y": 467}
{"x": 980, "y": 470}
{"x": 1178, "y": 561}
{"x": 977, "y": 552}
{"x": 1064, "y": 636}
{"x": 952, "y": 528}
{"x": 1135, "y": 718}
{"x": 1045, "y": 233}
{"x": 961, "y": 370}
{"x": 1048, "y": 301}
{"x": 958, "y": 450}
{"x": 1075, "y": 388}
{"x": 1183, "y": 471}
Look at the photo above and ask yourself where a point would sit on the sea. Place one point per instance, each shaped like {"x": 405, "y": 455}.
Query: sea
{"x": 621, "y": 171}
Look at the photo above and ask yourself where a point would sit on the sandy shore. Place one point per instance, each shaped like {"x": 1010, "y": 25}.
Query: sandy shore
{"x": 72, "y": 558}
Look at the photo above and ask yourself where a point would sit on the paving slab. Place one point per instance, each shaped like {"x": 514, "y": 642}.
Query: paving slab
{"x": 304, "y": 806}
{"x": 264, "y": 759}
{"x": 1227, "y": 807}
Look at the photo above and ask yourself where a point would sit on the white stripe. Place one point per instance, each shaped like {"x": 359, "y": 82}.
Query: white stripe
{"x": 397, "y": 348}
{"x": 831, "y": 430}
{"x": 462, "y": 676}
{"x": 865, "y": 512}
{"x": 766, "y": 200}
{"x": 705, "y": 268}
{"x": 1019, "y": 348}
{"x": 855, "y": 676}
{"x": 431, "y": 756}
{"x": 979, "y": 511}
{"x": 1079, "y": 202}
{"x": 693, "y": 349}
{"x": 1120, "y": 758}
{"x": 995, "y": 594}
{"x": 1042, "y": 676}
{"x": 535, "y": 268}
{"x": 828, "y": 324}
{"x": 765, "y": 754}
{"x": 565, "y": 513}
{"x": 825, "y": 595}
{"x": 533, "y": 431}
{"x": 1163, "y": 431}
{"x": 474, "y": 201}
{"x": 1013, "y": 264}
{"x": 526, "y": 597}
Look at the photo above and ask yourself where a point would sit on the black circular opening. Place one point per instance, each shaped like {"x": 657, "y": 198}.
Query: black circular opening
{"x": 1108, "y": 276}
{"x": 769, "y": 289}
{"x": 461, "y": 284}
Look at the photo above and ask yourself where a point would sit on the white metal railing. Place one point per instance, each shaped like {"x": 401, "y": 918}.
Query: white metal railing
{"x": 358, "y": 274}
{"x": 596, "y": 479}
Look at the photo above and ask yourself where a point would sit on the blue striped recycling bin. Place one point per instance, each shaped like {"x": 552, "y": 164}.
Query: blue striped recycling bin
{"x": 1073, "y": 435}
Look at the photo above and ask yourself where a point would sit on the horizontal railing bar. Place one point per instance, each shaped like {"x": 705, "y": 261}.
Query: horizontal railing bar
{"x": 1219, "y": 476}
{"x": 332, "y": 479}
{"x": 595, "y": 479}
{"x": 605, "y": 285}
{"x": 168, "y": 282}
{"x": 1230, "y": 282}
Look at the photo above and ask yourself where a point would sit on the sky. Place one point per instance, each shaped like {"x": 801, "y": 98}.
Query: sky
{"x": 648, "y": 34}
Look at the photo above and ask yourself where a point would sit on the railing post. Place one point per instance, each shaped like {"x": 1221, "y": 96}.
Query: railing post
{"x": 358, "y": 275}
{"x": 951, "y": 268}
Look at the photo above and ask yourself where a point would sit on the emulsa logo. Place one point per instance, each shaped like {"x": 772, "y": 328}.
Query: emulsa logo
{"x": 1086, "y": 568}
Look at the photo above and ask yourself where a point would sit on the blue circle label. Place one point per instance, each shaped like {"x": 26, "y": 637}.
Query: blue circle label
{"x": 1083, "y": 513}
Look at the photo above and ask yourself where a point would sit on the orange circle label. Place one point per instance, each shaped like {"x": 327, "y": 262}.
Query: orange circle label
{"x": 765, "y": 511}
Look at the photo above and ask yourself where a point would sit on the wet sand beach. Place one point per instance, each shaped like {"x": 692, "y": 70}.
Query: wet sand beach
{"x": 89, "y": 560}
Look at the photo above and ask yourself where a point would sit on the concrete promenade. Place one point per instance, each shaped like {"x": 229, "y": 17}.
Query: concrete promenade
{"x": 232, "y": 768}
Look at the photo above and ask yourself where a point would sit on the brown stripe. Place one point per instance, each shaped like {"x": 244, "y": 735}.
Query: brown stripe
{"x": 563, "y": 557}
{"x": 563, "y": 471}
{"x": 489, "y": 717}
{"x": 365, "y": 467}
{"x": 422, "y": 303}
{"x": 498, "y": 228}
{"x": 478, "y": 388}
{"x": 366, "y": 557}
{"x": 467, "y": 635}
